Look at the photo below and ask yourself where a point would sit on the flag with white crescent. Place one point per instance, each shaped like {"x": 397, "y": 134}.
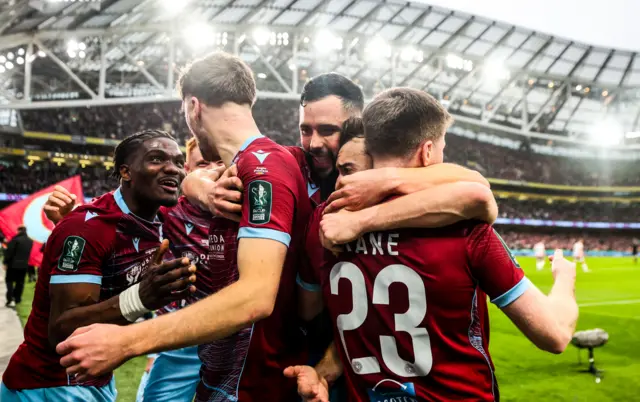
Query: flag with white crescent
{"x": 29, "y": 213}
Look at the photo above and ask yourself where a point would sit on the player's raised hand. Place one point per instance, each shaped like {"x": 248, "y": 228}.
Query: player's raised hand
{"x": 94, "y": 350}
{"x": 359, "y": 190}
{"x": 166, "y": 281}
{"x": 340, "y": 228}
{"x": 59, "y": 204}
{"x": 311, "y": 387}
{"x": 562, "y": 266}
{"x": 226, "y": 200}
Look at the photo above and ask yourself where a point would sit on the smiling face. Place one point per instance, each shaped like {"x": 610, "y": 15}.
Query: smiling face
{"x": 320, "y": 125}
{"x": 353, "y": 158}
{"x": 156, "y": 171}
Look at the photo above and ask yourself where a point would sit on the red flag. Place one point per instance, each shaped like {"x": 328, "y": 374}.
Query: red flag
{"x": 29, "y": 213}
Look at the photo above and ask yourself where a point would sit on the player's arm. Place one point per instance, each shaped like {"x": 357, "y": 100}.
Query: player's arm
{"x": 215, "y": 191}
{"x": 548, "y": 321}
{"x": 364, "y": 189}
{"x": 75, "y": 293}
{"x": 310, "y": 303}
{"x": 436, "y": 207}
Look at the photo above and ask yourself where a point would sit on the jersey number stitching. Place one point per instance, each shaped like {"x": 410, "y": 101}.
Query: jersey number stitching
{"x": 407, "y": 322}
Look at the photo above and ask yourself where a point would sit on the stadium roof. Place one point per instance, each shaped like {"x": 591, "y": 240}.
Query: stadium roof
{"x": 488, "y": 72}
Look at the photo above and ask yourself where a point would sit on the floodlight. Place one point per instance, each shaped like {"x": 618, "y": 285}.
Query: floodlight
{"x": 82, "y": 46}
{"x": 377, "y": 48}
{"x": 578, "y": 87}
{"x": 494, "y": 70}
{"x": 72, "y": 45}
{"x": 10, "y": 56}
{"x": 326, "y": 41}
{"x": 261, "y": 36}
{"x": 21, "y": 52}
{"x": 2, "y": 69}
{"x": 199, "y": 35}
{"x": 9, "y": 65}
{"x": 20, "y": 60}
{"x": 262, "y": 75}
{"x": 607, "y": 132}
{"x": 2, "y": 59}
{"x": 41, "y": 53}
{"x": 71, "y": 54}
{"x": 81, "y": 54}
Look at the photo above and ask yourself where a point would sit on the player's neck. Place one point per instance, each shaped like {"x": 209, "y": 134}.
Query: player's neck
{"x": 230, "y": 125}
{"x": 138, "y": 207}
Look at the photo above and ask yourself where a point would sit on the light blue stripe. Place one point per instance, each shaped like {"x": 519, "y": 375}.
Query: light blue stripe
{"x": 84, "y": 278}
{"x": 120, "y": 201}
{"x": 226, "y": 394}
{"x": 512, "y": 294}
{"x": 249, "y": 140}
{"x": 312, "y": 189}
{"x": 307, "y": 286}
{"x": 261, "y": 233}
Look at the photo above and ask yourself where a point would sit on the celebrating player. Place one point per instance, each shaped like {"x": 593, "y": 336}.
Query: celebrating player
{"x": 247, "y": 328}
{"x": 91, "y": 257}
{"x": 377, "y": 290}
{"x": 578, "y": 254}
{"x": 541, "y": 255}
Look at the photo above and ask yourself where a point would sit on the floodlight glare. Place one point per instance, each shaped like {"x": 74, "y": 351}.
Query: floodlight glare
{"x": 607, "y": 132}
{"x": 21, "y": 52}
{"x": 2, "y": 69}
{"x": 326, "y": 41}
{"x": 174, "y": 6}
{"x": 199, "y": 35}
{"x": 41, "y": 53}
{"x": 10, "y": 56}
{"x": 262, "y": 75}
{"x": 494, "y": 70}
{"x": 261, "y": 36}
{"x": 411, "y": 54}
{"x": 20, "y": 60}
{"x": 81, "y": 54}
{"x": 377, "y": 48}
{"x": 9, "y": 65}
{"x": 458, "y": 63}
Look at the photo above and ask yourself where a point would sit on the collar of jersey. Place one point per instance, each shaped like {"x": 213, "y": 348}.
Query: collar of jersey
{"x": 124, "y": 208}
{"x": 245, "y": 145}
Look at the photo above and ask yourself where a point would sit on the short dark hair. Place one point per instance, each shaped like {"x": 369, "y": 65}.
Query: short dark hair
{"x": 130, "y": 145}
{"x": 328, "y": 84}
{"x": 218, "y": 78}
{"x": 398, "y": 120}
{"x": 352, "y": 128}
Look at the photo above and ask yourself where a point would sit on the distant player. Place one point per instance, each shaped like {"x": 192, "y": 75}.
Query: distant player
{"x": 378, "y": 291}
{"x": 578, "y": 254}
{"x": 634, "y": 250}
{"x": 540, "y": 253}
{"x": 103, "y": 263}
{"x": 248, "y": 327}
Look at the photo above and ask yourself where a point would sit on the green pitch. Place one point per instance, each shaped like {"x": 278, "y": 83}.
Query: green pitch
{"x": 609, "y": 296}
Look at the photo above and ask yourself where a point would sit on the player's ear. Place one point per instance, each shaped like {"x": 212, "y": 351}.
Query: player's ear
{"x": 426, "y": 152}
{"x": 125, "y": 173}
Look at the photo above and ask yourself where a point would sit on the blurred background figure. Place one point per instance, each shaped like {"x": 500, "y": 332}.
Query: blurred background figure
{"x": 16, "y": 264}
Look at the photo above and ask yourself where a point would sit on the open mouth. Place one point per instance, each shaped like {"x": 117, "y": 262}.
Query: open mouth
{"x": 169, "y": 184}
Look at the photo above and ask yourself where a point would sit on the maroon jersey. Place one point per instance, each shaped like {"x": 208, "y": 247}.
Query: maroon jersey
{"x": 410, "y": 309}
{"x": 313, "y": 189}
{"x": 100, "y": 243}
{"x": 248, "y": 365}
{"x": 208, "y": 241}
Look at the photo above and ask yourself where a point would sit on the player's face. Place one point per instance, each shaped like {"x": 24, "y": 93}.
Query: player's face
{"x": 320, "y": 125}
{"x": 353, "y": 158}
{"x": 195, "y": 161}
{"x": 158, "y": 171}
{"x": 193, "y": 116}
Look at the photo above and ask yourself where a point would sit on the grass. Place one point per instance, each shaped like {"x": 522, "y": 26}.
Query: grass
{"x": 525, "y": 373}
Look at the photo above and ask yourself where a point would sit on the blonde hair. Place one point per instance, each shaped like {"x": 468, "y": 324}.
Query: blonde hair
{"x": 191, "y": 144}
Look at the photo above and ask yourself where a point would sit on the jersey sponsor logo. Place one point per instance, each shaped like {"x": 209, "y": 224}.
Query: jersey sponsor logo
{"x": 90, "y": 215}
{"x": 188, "y": 226}
{"x": 260, "y": 170}
{"x": 396, "y": 393}
{"x": 216, "y": 247}
{"x": 260, "y": 200}
{"x": 261, "y": 155}
{"x": 136, "y": 243}
{"x": 513, "y": 258}
{"x": 71, "y": 253}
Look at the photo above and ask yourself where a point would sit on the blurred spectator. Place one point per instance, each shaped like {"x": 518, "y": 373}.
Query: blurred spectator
{"x": 525, "y": 238}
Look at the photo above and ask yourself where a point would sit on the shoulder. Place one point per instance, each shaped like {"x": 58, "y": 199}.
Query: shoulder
{"x": 264, "y": 151}
{"x": 90, "y": 222}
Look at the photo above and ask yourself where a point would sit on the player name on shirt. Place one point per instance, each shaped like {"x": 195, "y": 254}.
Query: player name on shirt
{"x": 375, "y": 244}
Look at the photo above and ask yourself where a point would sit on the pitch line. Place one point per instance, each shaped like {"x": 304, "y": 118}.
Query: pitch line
{"x": 609, "y": 303}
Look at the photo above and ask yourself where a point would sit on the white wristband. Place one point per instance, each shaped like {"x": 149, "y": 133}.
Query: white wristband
{"x": 131, "y": 306}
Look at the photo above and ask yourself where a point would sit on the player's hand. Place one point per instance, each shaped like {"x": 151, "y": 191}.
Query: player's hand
{"x": 59, "y": 204}
{"x": 311, "y": 387}
{"x": 94, "y": 350}
{"x": 166, "y": 281}
{"x": 359, "y": 191}
{"x": 562, "y": 266}
{"x": 340, "y": 228}
{"x": 226, "y": 200}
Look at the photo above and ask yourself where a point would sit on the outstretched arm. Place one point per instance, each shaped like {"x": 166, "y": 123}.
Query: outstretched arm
{"x": 436, "y": 207}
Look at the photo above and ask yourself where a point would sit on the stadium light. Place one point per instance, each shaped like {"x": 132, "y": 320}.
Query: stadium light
{"x": 377, "y": 48}
{"x": 326, "y": 41}
{"x": 41, "y": 53}
{"x": 75, "y": 48}
{"x": 411, "y": 54}
{"x": 21, "y": 52}
{"x": 458, "y": 63}
{"x": 261, "y": 36}
{"x": 199, "y": 35}
{"x": 20, "y": 60}
{"x": 10, "y": 56}
{"x": 632, "y": 134}
{"x": 174, "y": 6}
{"x": 607, "y": 132}
{"x": 2, "y": 69}
{"x": 9, "y": 65}
{"x": 262, "y": 75}
{"x": 494, "y": 70}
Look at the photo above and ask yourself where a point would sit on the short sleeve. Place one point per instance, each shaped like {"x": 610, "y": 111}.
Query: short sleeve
{"x": 271, "y": 194}
{"x": 77, "y": 248}
{"x": 494, "y": 267}
{"x": 308, "y": 273}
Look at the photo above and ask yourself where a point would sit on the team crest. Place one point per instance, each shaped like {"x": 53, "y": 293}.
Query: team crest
{"x": 71, "y": 253}
{"x": 260, "y": 202}
{"x": 193, "y": 257}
